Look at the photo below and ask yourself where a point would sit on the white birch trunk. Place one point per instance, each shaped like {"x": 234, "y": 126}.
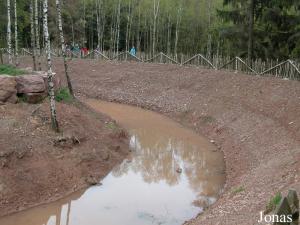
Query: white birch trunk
{"x": 155, "y": 14}
{"x": 49, "y": 67}
{"x": 209, "y": 32}
{"x": 178, "y": 21}
{"x": 9, "y": 33}
{"x": 63, "y": 46}
{"x": 16, "y": 34}
{"x": 32, "y": 35}
{"x": 118, "y": 26}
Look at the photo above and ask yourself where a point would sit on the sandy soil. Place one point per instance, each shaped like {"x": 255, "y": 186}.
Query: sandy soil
{"x": 38, "y": 165}
{"x": 255, "y": 121}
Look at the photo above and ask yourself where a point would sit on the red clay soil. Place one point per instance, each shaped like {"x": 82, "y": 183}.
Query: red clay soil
{"x": 38, "y": 165}
{"x": 255, "y": 121}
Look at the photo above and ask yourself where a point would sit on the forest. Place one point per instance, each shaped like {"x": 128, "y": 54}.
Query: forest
{"x": 265, "y": 29}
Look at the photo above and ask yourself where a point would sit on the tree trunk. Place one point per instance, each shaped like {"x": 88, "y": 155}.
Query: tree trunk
{"x": 178, "y": 21}
{"x": 16, "y": 34}
{"x": 63, "y": 46}
{"x": 98, "y": 7}
{"x": 9, "y": 33}
{"x": 37, "y": 33}
{"x": 118, "y": 26}
{"x": 251, "y": 27}
{"x": 155, "y": 14}
{"x": 209, "y": 32}
{"x": 49, "y": 66}
{"x": 32, "y": 35}
{"x": 169, "y": 35}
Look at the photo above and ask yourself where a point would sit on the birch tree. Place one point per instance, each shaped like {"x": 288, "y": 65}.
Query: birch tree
{"x": 9, "y": 33}
{"x": 37, "y": 33}
{"x": 63, "y": 46}
{"x": 32, "y": 31}
{"x": 209, "y": 39}
{"x": 155, "y": 15}
{"x": 16, "y": 34}
{"x": 178, "y": 21}
{"x": 118, "y": 26}
{"x": 49, "y": 68}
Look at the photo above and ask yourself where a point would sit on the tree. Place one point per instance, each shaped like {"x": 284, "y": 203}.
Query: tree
{"x": 63, "y": 46}
{"x": 32, "y": 31}
{"x": 49, "y": 67}
{"x": 16, "y": 33}
{"x": 37, "y": 33}
{"x": 155, "y": 14}
{"x": 251, "y": 30}
{"x": 9, "y": 33}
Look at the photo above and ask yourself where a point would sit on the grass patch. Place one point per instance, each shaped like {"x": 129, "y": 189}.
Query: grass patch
{"x": 10, "y": 70}
{"x": 63, "y": 95}
{"x": 238, "y": 190}
{"x": 274, "y": 201}
{"x": 112, "y": 126}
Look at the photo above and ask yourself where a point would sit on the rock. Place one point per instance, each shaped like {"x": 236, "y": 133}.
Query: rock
{"x": 8, "y": 91}
{"x": 66, "y": 141}
{"x": 91, "y": 180}
{"x": 34, "y": 98}
{"x": 105, "y": 156}
{"x": 179, "y": 170}
{"x": 30, "y": 84}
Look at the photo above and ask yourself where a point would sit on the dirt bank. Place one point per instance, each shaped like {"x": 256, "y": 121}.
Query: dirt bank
{"x": 254, "y": 121}
{"x": 38, "y": 165}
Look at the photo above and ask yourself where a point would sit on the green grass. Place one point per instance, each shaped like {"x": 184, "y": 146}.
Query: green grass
{"x": 274, "y": 201}
{"x": 63, "y": 95}
{"x": 238, "y": 190}
{"x": 111, "y": 126}
{"x": 10, "y": 70}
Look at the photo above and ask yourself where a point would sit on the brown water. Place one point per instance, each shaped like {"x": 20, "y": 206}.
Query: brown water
{"x": 147, "y": 188}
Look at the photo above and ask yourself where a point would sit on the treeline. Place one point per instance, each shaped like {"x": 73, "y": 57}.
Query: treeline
{"x": 246, "y": 28}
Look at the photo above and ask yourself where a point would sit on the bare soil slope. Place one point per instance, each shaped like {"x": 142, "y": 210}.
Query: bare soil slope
{"x": 255, "y": 121}
{"x": 38, "y": 165}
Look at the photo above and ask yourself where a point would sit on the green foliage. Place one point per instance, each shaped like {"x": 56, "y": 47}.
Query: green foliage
{"x": 64, "y": 95}
{"x": 10, "y": 70}
{"x": 276, "y": 25}
{"x": 274, "y": 201}
{"x": 112, "y": 126}
{"x": 238, "y": 190}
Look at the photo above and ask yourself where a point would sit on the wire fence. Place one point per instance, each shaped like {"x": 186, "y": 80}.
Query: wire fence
{"x": 289, "y": 69}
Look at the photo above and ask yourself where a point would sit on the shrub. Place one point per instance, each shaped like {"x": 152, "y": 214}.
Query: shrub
{"x": 63, "y": 94}
{"x": 274, "y": 201}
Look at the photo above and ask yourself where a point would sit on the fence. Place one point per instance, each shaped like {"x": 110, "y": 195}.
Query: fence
{"x": 288, "y": 69}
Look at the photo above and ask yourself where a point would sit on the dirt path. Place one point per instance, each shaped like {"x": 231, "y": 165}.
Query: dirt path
{"x": 254, "y": 121}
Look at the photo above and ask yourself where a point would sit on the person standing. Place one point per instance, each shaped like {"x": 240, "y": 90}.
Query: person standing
{"x": 133, "y": 51}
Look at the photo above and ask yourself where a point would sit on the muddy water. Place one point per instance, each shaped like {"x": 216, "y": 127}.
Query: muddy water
{"x": 172, "y": 175}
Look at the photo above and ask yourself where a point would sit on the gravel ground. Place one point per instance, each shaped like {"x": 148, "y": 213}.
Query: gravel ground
{"x": 254, "y": 120}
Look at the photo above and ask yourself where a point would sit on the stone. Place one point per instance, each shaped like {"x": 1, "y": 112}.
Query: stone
{"x": 8, "y": 91}
{"x": 30, "y": 84}
{"x": 91, "y": 180}
{"x": 179, "y": 170}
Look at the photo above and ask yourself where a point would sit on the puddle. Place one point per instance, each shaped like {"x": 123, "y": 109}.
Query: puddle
{"x": 172, "y": 176}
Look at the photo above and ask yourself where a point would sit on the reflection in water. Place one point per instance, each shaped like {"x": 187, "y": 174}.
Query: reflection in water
{"x": 145, "y": 189}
